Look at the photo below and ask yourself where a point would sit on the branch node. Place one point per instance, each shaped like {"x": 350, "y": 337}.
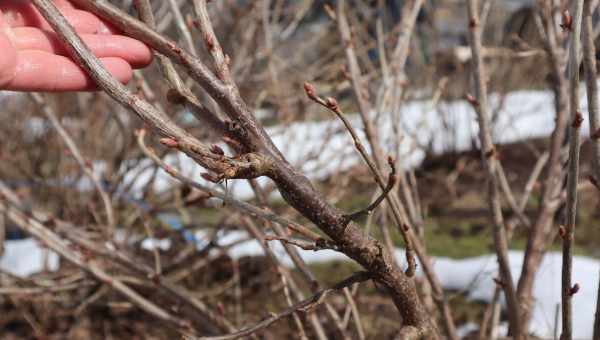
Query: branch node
{"x": 310, "y": 90}
{"x": 574, "y": 289}
{"x": 472, "y": 100}
{"x": 577, "y": 120}
{"x": 169, "y": 142}
{"x": 567, "y": 21}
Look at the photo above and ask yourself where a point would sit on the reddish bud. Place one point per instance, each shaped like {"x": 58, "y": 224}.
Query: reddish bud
{"x": 490, "y": 153}
{"x": 473, "y": 23}
{"x": 567, "y": 21}
{"x": 577, "y": 120}
{"x": 596, "y": 135}
{"x": 574, "y": 289}
{"x": 472, "y": 100}
{"x": 210, "y": 43}
{"x": 170, "y": 170}
{"x": 562, "y": 231}
{"x": 310, "y": 91}
{"x": 169, "y": 142}
{"x": 332, "y": 104}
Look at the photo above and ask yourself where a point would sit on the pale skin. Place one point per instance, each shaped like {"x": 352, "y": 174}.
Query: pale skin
{"x": 32, "y": 58}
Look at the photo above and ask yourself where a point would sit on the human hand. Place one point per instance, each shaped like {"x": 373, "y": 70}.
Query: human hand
{"x": 32, "y": 58}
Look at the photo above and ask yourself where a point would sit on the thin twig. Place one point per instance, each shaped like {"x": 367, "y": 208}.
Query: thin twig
{"x": 303, "y": 306}
{"x": 542, "y": 233}
{"x": 55, "y": 243}
{"x": 332, "y": 105}
{"x": 390, "y": 185}
{"x": 488, "y": 158}
{"x": 568, "y": 232}
{"x": 85, "y": 167}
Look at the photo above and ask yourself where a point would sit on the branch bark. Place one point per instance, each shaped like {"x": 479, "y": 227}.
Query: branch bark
{"x": 488, "y": 158}
{"x": 541, "y": 233}
{"x": 590, "y": 68}
{"x": 568, "y": 232}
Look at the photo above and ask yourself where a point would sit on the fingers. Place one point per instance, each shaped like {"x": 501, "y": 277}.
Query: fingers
{"x": 43, "y": 71}
{"x": 133, "y": 51}
{"x": 8, "y": 56}
{"x": 63, "y": 4}
{"x": 23, "y": 13}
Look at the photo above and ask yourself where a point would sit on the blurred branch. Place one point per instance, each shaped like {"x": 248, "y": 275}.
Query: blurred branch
{"x": 488, "y": 158}
{"x": 541, "y": 233}
{"x": 83, "y": 164}
{"x": 303, "y": 306}
{"x": 54, "y": 242}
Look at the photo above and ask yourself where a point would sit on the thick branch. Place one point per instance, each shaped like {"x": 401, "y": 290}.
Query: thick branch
{"x": 295, "y": 188}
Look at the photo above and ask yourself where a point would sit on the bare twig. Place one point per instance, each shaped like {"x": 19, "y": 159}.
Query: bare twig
{"x": 332, "y": 105}
{"x": 541, "y": 233}
{"x": 488, "y": 157}
{"x": 573, "y": 175}
{"x": 203, "y": 23}
{"x": 390, "y": 185}
{"x": 180, "y": 93}
{"x": 321, "y": 244}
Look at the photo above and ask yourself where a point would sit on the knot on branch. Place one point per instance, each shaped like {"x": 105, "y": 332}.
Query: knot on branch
{"x": 246, "y": 166}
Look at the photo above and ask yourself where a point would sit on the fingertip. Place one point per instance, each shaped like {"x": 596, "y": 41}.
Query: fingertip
{"x": 118, "y": 68}
{"x": 141, "y": 55}
{"x": 8, "y": 60}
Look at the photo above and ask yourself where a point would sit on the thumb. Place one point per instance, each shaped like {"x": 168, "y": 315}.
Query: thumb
{"x": 8, "y": 54}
